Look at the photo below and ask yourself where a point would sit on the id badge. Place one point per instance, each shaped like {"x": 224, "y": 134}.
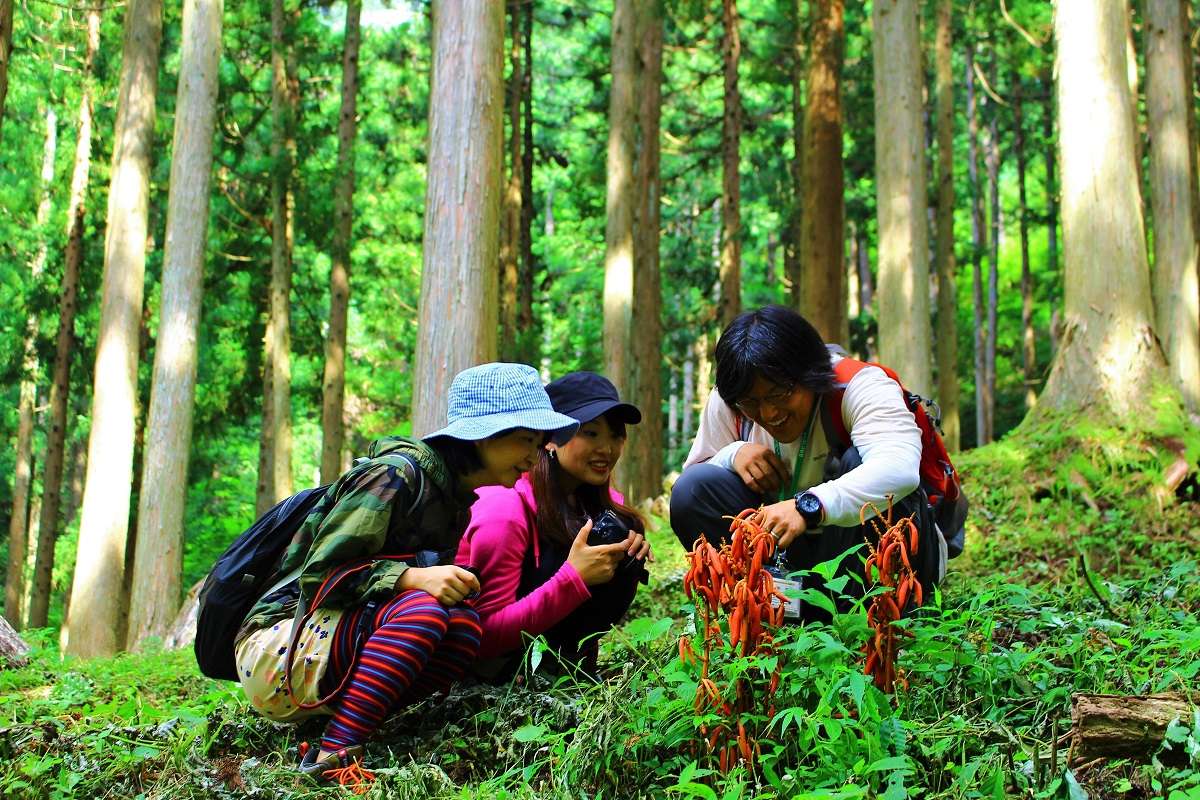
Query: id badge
{"x": 791, "y": 609}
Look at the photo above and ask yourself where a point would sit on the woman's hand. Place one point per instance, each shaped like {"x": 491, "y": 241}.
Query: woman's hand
{"x": 597, "y": 564}
{"x": 448, "y": 584}
{"x": 638, "y": 547}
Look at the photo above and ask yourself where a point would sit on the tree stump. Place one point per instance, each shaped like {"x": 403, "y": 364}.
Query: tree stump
{"x": 182, "y": 632}
{"x": 1116, "y": 726}
{"x": 14, "y": 652}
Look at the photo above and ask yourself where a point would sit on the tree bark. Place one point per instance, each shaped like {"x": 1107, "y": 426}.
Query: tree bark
{"x": 1113, "y": 726}
{"x": 632, "y": 293}
{"x": 1051, "y": 158}
{"x": 1109, "y": 353}
{"x": 6, "y": 31}
{"x": 334, "y": 383}
{"x": 641, "y": 467}
{"x": 510, "y": 222}
{"x": 731, "y": 185}
{"x": 52, "y": 474}
{"x": 992, "y": 160}
{"x": 19, "y": 523}
{"x": 525, "y": 322}
{"x": 1176, "y": 292}
{"x": 947, "y": 292}
{"x": 158, "y": 560}
{"x": 91, "y": 628}
{"x": 903, "y": 288}
{"x": 619, "y": 202}
{"x": 793, "y": 237}
{"x": 982, "y": 434}
{"x": 275, "y": 465}
{"x": 1028, "y": 338}
{"x": 462, "y": 218}
{"x": 14, "y": 652}
{"x": 822, "y": 225}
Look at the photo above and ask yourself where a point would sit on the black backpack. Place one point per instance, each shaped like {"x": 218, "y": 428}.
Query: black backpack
{"x": 240, "y": 577}
{"x": 242, "y": 573}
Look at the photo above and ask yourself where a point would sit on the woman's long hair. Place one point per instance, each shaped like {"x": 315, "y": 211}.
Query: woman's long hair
{"x": 595, "y": 500}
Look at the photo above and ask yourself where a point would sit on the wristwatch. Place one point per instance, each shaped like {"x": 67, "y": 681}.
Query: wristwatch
{"x": 808, "y": 505}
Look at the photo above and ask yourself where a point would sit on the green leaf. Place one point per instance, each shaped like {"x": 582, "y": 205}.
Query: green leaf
{"x": 694, "y": 790}
{"x": 1074, "y": 790}
{"x": 530, "y": 733}
{"x": 645, "y": 630}
{"x": 890, "y": 763}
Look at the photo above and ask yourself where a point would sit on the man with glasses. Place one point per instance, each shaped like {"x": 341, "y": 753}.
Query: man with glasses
{"x": 767, "y": 438}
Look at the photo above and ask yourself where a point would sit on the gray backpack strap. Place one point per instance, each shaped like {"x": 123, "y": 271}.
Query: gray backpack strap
{"x": 413, "y": 473}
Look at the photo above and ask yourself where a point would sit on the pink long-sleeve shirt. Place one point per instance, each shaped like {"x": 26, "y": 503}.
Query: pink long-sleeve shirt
{"x": 500, "y": 533}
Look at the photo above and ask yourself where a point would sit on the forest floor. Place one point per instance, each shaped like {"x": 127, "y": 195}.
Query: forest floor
{"x": 1080, "y": 575}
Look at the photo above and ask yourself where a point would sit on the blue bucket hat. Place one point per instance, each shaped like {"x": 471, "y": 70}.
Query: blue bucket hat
{"x": 491, "y": 398}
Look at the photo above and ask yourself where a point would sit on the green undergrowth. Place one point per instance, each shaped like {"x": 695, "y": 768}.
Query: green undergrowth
{"x": 1081, "y": 575}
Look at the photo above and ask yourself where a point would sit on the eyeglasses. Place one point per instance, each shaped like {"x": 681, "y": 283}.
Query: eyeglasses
{"x": 776, "y": 398}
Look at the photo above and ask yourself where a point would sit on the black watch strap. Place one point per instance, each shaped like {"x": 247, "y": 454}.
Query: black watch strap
{"x": 808, "y": 505}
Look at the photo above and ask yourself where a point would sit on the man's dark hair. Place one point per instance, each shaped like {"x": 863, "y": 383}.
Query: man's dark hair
{"x": 776, "y": 343}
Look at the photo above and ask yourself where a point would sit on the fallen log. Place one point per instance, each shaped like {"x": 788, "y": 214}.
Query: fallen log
{"x": 14, "y": 652}
{"x": 1125, "y": 726}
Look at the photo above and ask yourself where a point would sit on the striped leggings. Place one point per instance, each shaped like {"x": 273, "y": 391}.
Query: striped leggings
{"x": 415, "y": 647}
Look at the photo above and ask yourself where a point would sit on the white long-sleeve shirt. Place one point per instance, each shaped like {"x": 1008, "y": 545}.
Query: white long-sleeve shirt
{"x": 880, "y": 426}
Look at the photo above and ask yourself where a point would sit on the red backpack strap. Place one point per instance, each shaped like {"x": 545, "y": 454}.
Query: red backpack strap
{"x": 831, "y": 407}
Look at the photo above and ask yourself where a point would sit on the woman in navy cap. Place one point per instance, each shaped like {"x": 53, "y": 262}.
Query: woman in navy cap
{"x": 529, "y": 543}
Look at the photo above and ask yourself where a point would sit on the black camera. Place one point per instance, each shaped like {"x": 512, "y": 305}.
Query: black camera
{"x": 608, "y": 529}
{"x": 611, "y": 529}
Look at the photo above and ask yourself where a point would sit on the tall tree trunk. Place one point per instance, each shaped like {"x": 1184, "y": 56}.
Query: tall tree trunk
{"x": 1131, "y": 75}
{"x": 1051, "y": 158}
{"x": 619, "y": 202}
{"x": 6, "y": 31}
{"x": 688, "y": 401}
{"x": 792, "y": 255}
{"x": 1189, "y": 81}
{"x": 510, "y": 221}
{"x": 731, "y": 184}
{"x": 529, "y": 336}
{"x": 631, "y": 287}
{"x": 158, "y": 560}
{"x": 92, "y": 618}
{"x": 904, "y": 330}
{"x": 642, "y": 463}
{"x": 1028, "y": 339}
{"x": 977, "y": 246}
{"x": 992, "y": 160}
{"x": 462, "y": 201}
{"x": 52, "y": 474}
{"x": 866, "y": 285}
{"x": 19, "y": 527}
{"x": 275, "y": 465}
{"x": 947, "y": 292}
{"x": 1109, "y": 353}
{"x": 1176, "y": 294}
{"x": 822, "y": 225}
{"x": 334, "y": 383}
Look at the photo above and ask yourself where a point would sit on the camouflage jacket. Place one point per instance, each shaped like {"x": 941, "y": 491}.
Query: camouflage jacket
{"x": 354, "y": 522}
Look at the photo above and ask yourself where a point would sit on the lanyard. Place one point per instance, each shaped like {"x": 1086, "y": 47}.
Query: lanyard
{"x": 799, "y": 453}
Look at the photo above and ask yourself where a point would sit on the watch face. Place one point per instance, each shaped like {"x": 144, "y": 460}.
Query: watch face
{"x": 809, "y": 504}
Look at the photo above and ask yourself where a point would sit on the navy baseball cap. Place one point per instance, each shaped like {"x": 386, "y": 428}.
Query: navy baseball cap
{"x": 585, "y": 396}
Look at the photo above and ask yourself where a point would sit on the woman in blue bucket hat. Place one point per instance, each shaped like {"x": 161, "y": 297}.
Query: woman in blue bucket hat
{"x": 367, "y": 613}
